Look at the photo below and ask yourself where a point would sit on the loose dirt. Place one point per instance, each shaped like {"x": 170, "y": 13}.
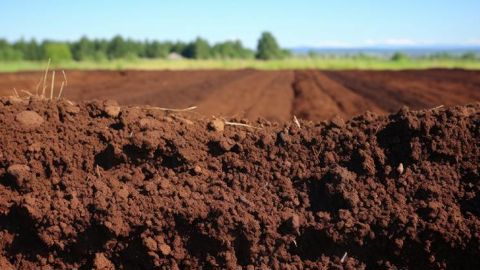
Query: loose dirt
{"x": 274, "y": 95}
{"x": 90, "y": 188}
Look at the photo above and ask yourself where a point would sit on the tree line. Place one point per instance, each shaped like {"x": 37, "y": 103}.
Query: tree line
{"x": 86, "y": 49}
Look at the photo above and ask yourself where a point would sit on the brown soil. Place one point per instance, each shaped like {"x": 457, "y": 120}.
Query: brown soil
{"x": 96, "y": 186}
{"x": 273, "y": 95}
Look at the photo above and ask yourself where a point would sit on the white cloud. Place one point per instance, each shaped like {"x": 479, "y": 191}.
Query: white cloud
{"x": 334, "y": 44}
{"x": 393, "y": 42}
{"x": 370, "y": 42}
{"x": 400, "y": 41}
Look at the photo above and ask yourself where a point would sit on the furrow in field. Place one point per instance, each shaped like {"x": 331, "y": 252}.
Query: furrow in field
{"x": 239, "y": 98}
{"x": 349, "y": 102}
{"x": 275, "y": 100}
{"x": 387, "y": 98}
{"x": 416, "y": 89}
{"x": 437, "y": 86}
{"x": 183, "y": 91}
{"x": 310, "y": 102}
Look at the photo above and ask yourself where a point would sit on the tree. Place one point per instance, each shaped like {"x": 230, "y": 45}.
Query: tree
{"x": 117, "y": 48}
{"x": 101, "y": 49}
{"x": 268, "y": 47}
{"x": 469, "y": 56}
{"x": 178, "y": 47}
{"x": 135, "y": 49}
{"x": 84, "y": 49}
{"x": 399, "y": 56}
{"x": 56, "y": 51}
{"x": 33, "y": 51}
{"x": 231, "y": 49}
{"x": 157, "y": 49}
{"x": 198, "y": 49}
{"x": 8, "y": 52}
{"x": 21, "y": 47}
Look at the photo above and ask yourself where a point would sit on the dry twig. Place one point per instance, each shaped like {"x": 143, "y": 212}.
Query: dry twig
{"x": 167, "y": 109}
{"x": 239, "y": 124}
{"x": 53, "y": 83}
{"x": 97, "y": 171}
{"x": 438, "y": 107}
{"x": 27, "y": 92}
{"x": 64, "y": 83}
{"x": 45, "y": 79}
{"x": 295, "y": 120}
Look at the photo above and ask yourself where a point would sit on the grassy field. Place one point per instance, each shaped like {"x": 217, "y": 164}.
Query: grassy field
{"x": 292, "y": 63}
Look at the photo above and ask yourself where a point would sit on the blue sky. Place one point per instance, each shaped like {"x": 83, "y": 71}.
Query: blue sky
{"x": 335, "y": 23}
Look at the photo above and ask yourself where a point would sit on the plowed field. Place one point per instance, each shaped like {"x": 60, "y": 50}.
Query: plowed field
{"x": 274, "y": 95}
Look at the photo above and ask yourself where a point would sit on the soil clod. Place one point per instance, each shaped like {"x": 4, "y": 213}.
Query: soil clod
{"x": 29, "y": 119}
{"x": 216, "y": 125}
{"x": 112, "y": 108}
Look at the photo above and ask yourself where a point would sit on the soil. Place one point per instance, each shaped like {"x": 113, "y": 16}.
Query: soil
{"x": 274, "y": 95}
{"x": 95, "y": 185}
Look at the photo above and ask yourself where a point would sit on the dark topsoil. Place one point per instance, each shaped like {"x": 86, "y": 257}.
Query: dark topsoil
{"x": 87, "y": 186}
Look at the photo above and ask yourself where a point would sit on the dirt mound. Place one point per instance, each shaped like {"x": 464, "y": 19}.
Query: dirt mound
{"x": 143, "y": 189}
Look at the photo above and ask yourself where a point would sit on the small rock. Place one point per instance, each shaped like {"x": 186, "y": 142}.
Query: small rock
{"x": 112, "y": 111}
{"x": 216, "y": 125}
{"x": 71, "y": 108}
{"x": 123, "y": 193}
{"x": 338, "y": 122}
{"x": 293, "y": 223}
{"x": 29, "y": 119}
{"x": 197, "y": 169}
{"x": 165, "y": 249}
{"x": 150, "y": 244}
{"x": 102, "y": 263}
{"x": 55, "y": 180}
{"x": 112, "y": 108}
{"x": 400, "y": 168}
{"x": 398, "y": 243}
